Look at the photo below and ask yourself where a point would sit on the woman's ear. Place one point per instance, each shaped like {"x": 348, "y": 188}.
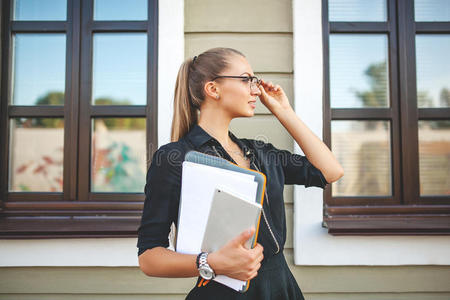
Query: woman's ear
{"x": 212, "y": 90}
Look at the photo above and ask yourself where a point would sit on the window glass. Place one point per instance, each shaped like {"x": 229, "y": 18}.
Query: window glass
{"x": 359, "y": 71}
{"x": 357, "y": 10}
{"x": 36, "y": 155}
{"x": 118, "y": 162}
{"x": 432, "y": 10}
{"x": 433, "y": 70}
{"x": 40, "y": 10}
{"x": 363, "y": 148}
{"x": 119, "y": 69}
{"x": 434, "y": 157}
{"x": 116, "y": 10}
{"x": 39, "y": 66}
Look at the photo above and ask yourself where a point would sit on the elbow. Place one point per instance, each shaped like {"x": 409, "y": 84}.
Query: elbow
{"x": 335, "y": 176}
{"x": 145, "y": 263}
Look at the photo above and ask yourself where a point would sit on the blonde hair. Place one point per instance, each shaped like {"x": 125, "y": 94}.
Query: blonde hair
{"x": 191, "y": 79}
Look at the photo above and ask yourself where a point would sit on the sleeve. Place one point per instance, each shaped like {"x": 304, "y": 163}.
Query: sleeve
{"x": 298, "y": 169}
{"x": 162, "y": 194}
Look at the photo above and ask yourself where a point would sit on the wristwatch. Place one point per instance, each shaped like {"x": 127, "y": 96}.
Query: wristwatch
{"x": 204, "y": 269}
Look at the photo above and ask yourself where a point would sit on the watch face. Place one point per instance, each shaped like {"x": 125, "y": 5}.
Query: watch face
{"x": 205, "y": 274}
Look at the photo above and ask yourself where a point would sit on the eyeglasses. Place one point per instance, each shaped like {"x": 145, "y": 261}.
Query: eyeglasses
{"x": 253, "y": 80}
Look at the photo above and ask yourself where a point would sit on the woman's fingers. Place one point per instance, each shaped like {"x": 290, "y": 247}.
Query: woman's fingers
{"x": 270, "y": 86}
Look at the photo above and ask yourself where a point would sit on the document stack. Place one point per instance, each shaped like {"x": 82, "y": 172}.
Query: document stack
{"x": 219, "y": 200}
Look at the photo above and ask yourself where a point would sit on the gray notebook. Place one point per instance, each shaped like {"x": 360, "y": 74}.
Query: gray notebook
{"x": 229, "y": 216}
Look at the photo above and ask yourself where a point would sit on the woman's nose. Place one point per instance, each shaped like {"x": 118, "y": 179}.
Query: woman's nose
{"x": 254, "y": 89}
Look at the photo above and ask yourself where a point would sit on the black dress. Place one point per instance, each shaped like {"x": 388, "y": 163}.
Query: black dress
{"x": 162, "y": 191}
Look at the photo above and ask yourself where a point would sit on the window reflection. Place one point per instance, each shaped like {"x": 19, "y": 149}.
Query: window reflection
{"x": 36, "y": 155}
{"x": 432, "y": 10}
{"x": 40, "y": 10}
{"x": 357, "y": 10}
{"x": 119, "y": 69}
{"x": 117, "y": 10}
{"x": 433, "y": 70}
{"x": 358, "y": 71}
{"x": 39, "y": 69}
{"x": 434, "y": 157}
{"x": 363, "y": 150}
{"x": 118, "y": 155}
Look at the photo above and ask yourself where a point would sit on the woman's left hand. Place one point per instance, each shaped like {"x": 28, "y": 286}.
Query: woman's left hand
{"x": 273, "y": 96}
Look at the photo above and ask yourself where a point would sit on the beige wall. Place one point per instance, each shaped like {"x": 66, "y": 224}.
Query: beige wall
{"x": 263, "y": 31}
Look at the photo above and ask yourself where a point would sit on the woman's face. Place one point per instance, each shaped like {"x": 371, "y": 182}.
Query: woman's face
{"x": 237, "y": 96}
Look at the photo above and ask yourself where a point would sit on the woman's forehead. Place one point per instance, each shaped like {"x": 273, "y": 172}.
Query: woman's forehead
{"x": 240, "y": 65}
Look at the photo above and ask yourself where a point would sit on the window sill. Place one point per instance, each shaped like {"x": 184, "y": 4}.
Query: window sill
{"x": 68, "y": 227}
{"x": 394, "y": 220}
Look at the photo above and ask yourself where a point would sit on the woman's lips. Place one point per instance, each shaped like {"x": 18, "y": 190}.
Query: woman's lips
{"x": 252, "y": 104}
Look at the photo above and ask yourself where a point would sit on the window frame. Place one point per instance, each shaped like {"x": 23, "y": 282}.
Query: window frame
{"x": 405, "y": 212}
{"x": 76, "y": 212}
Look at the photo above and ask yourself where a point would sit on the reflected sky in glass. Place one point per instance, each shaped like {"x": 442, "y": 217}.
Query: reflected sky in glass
{"x": 363, "y": 150}
{"x": 351, "y": 55}
{"x": 433, "y": 69}
{"x": 432, "y": 10}
{"x": 39, "y": 63}
{"x": 357, "y": 10}
{"x": 40, "y": 10}
{"x": 119, "y": 68}
{"x": 120, "y": 10}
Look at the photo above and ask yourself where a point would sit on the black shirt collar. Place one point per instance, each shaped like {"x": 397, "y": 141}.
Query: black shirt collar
{"x": 199, "y": 137}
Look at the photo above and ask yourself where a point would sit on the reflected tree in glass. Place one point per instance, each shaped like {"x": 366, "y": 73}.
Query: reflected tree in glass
{"x": 38, "y": 68}
{"x": 354, "y": 58}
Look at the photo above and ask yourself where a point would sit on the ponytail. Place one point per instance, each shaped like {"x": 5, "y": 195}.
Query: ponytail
{"x": 189, "y": 95}
{"x": 184, "y": 113}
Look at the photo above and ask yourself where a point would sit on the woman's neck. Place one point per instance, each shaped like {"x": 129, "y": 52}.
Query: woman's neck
{"x": 215, "y": 125}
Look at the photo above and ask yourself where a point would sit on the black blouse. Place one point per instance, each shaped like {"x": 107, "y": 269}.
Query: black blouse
{"x": 163, "y": 187}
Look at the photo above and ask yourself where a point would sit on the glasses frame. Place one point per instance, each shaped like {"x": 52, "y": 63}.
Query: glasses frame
{"x": 249, "y": 79}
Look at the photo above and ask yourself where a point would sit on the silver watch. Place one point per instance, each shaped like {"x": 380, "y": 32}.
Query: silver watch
{"x": 204, "y": 269}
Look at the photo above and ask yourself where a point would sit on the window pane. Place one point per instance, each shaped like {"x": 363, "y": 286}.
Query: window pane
{"x": 120, "y": 10}
{"x": 434, "y": 157}
{"x": 39, "y": 10}
{"x": 357, "y": 10}
{"x": 39, "y": 69}
{"x": 433, "y": 70}
{"x": 118, "y": 155}
{"x": 36, "y": 155}
{"x": 120, "y": 69}
{"x": 432, "y": 10}
{"x": 359, "y": 70}
{"x": 363, "y": 149}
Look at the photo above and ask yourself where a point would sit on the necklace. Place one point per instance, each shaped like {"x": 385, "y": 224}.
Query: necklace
{"x": 238, "y": 152}
{"x": 230, "y": 151}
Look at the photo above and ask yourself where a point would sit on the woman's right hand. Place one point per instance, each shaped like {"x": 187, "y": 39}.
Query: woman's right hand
{"x": 236, "y": 261}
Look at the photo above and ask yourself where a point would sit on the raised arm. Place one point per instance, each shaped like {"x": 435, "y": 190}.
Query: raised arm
{"x": 275, "y": 99}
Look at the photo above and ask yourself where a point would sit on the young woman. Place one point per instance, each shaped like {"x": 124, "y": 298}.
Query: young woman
{"x": 212, "y": 89}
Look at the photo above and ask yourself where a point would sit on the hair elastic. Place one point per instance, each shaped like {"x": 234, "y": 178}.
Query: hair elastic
{"x": 195, "y": 57}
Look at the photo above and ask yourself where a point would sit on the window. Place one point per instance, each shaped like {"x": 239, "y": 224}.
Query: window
{"x": 78, "y": 116}
{"x": 387, "y": 115}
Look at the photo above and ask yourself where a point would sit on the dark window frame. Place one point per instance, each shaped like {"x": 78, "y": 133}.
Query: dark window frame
{"x": 405, "y": 212}
{"x": 76, "y": 212}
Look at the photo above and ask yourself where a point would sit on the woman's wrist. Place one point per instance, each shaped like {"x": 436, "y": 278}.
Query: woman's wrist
{"x": 214, "y": 262}
{"x": 283, "y": 113}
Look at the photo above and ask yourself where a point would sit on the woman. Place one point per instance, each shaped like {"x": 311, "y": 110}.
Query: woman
{"x": 210, "y": 91}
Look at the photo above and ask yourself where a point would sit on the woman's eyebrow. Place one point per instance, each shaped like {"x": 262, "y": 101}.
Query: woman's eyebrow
{"x": 246, "y": 73}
